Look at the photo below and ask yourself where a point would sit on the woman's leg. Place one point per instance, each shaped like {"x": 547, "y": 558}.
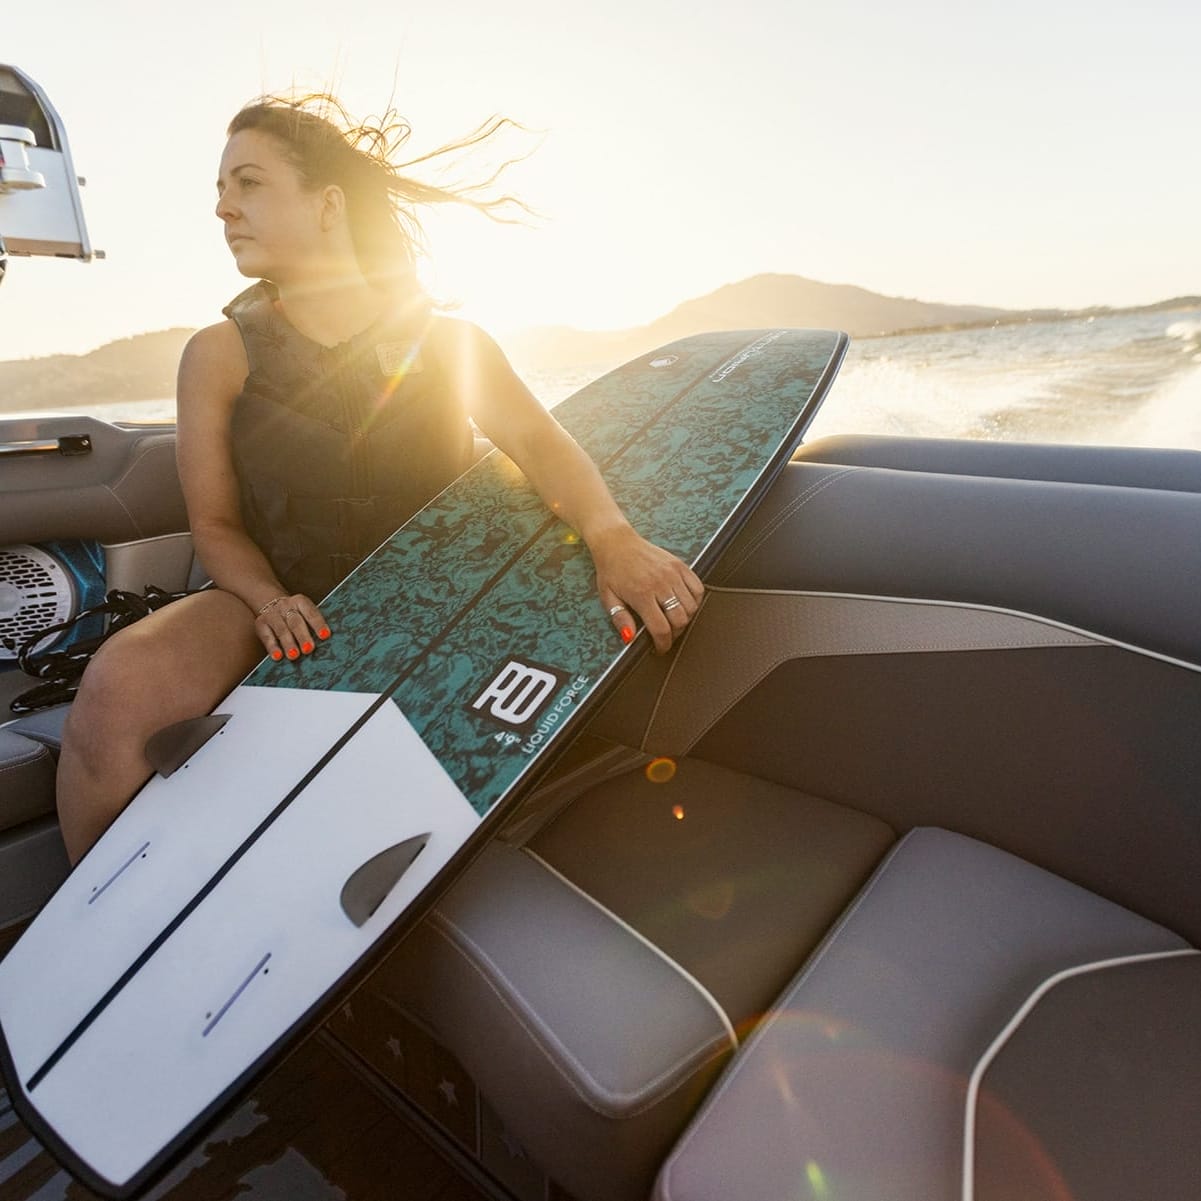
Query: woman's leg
{"x": 174, "y": 664}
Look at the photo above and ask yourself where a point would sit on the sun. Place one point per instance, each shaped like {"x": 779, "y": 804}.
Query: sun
{"x": 486, "y": 271}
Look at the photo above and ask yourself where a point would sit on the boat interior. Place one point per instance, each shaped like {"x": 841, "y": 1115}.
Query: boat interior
{"x": 883, "y": 884}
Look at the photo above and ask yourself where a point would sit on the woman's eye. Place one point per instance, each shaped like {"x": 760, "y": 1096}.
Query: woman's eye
{"x": 247, "y": 182}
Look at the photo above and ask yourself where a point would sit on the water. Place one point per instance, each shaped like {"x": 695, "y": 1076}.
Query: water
{"x": 1131, "y": 380}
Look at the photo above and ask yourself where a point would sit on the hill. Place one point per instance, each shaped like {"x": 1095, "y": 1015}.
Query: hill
{"x": 762, "y": 300}
{"x": 138, "y": 368}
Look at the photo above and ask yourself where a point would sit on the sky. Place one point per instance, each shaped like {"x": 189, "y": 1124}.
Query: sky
{"x": 1024, "y": 155}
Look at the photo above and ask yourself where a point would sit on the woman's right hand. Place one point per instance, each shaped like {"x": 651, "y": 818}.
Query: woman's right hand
{"x": 290, "y": 626}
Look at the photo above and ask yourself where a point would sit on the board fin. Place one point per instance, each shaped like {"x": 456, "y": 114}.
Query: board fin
{"x": 174, "y": 745}
{"x": 368, "y": 885}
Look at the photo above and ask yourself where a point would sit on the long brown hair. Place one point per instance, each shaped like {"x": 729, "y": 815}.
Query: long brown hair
{"x": 326, "y": 146}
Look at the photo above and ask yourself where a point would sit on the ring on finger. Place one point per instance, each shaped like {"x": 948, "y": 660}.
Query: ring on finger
{"x": 615, "y": 609}
{"x": 672, "y": 602}
{"x": 288, "y": 613}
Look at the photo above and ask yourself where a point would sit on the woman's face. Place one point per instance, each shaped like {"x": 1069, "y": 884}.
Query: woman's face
{"x": 273, "y": 224}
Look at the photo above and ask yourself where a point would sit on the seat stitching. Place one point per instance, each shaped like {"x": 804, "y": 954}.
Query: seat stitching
{"x": 142, "y": 453}
{"x": 1069, "y": 641}
{"x": 1019, "y": 1016}
{"x": 789, "y": 511}
{"x": 32, "y": 756}
{"x": 541, "y": 1035}
{"x": 658, "y": 951}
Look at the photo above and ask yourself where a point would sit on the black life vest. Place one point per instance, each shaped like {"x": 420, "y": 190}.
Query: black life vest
{"x": 336, "y": 447}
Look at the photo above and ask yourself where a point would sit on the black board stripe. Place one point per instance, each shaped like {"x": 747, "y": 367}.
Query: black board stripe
{"x": 89, "y": 1019}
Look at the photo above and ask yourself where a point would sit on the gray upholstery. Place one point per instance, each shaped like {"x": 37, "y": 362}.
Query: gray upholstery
{"x": 43, "y": 725}
{"x": 29, "y": 748}
{"x": 1095, "y": 1092}
{"x": 1123, "y": 466}
{"x": 126, "y": 488}
{"x": 780, "y": 627}
{"x": 33, "y": 863}
{"x": 734, "y": 877}
{"x": 590, "y": 1042}
{"x": 26, "y": 779}
{"x": 1040, "y": 750}
{"x": 591, "y": 980}
{"x": 1074, "y": 553}
{"x": 856, "y": 1083}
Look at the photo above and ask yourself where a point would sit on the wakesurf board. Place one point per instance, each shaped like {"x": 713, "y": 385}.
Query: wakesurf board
{"x": 303, "y": 828}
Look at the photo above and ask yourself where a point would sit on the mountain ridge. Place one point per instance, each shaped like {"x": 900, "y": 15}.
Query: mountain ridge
{"x": 143, "y": 367}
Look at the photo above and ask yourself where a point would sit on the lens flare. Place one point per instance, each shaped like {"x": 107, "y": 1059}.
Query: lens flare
{"x": 659, "y": 771}
{"x": 677, "y": 811}
{"x": 817, "y": 1180}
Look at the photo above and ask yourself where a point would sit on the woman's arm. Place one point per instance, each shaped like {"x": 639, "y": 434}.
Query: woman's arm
{"x": 630, "y": 571}
{"x": 212, "y": 371}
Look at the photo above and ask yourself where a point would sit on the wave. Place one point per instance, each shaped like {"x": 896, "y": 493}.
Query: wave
{"x": 1125, "y": 378}
{"x": 1186, "y": 331}
{"x": 1171, "y": 417}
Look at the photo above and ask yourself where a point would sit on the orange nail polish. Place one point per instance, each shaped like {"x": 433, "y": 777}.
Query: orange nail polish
{"x": 293, "y": 653}
{"x": 277, "y": 654}
{"x": 323, "y": 632}
{"x": 307, "y": 647}
{"x": 627, "y": 635}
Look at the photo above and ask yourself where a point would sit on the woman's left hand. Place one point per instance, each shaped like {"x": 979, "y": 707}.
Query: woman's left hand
{"x": 635, "y": 578}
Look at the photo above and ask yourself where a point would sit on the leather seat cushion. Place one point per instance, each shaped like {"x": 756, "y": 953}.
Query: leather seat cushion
{"x": 857, "y": 1082}
{"x": 592, "y": 981}
{"x": 1095, "y": 1091}
{"x": 26, "y": 779}
{"x": 736, "y": 878}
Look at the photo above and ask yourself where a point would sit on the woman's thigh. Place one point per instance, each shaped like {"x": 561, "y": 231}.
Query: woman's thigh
{"x": 175, "y": 663}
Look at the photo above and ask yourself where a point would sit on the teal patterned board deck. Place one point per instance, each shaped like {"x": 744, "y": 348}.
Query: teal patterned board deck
{"x": 484, "y": 575}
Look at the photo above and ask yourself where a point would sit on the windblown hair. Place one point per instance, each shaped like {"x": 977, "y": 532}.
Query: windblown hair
{"x": 327, "y": 146}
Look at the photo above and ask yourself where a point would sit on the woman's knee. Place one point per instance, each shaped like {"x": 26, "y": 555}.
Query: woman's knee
{"x": 167, "y": 666}
{"x": 126, "y": 672}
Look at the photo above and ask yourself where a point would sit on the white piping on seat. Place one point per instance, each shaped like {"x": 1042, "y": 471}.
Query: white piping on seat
{"x": 1067, "y": 627}
{"x": 605, "y": 1103}
{"x": 668, "y": 732}
{"x": 973, "y": 1089}
{"x": 688, "y": 977}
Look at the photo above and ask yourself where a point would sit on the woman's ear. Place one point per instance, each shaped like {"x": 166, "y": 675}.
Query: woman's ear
{"x": 333, "y": 206}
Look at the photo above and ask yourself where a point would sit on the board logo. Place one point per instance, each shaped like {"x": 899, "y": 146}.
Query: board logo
{"x": 517, "y": 694}
{"x": 665, "y": 360}
{"x": 731, "y": 365}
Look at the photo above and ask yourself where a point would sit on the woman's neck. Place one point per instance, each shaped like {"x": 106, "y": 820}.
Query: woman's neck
{"x": 332, "y": 310}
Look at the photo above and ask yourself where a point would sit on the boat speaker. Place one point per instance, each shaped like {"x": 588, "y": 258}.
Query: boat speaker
{"x": 41, "y": 586}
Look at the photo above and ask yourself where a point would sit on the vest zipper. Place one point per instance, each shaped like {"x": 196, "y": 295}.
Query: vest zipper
{"x": 360, "y": 465}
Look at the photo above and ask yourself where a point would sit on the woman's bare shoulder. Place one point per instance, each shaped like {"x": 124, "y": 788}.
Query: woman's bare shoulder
{"x": 466, "y": 349}
{"x": 214, "y": 360}
{"x": 459, "y": 333}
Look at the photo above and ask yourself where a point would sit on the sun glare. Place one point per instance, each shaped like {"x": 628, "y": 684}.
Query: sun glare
{"x": 475, "y": 267}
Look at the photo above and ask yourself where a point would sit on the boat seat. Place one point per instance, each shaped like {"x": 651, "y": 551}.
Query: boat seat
{"x": 33, "y": 861}
{"x": 595, "y": 968}
{"x": 973, "y": 1027}
{"x": 29, "y": 747}
{"x": 26, "y": 779}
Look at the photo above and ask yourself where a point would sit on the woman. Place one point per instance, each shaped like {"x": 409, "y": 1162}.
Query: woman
{"x": 329, "y": 406}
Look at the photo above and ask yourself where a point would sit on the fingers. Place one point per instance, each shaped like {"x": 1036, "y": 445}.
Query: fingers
{"x": 665, "y": 609}
{"x": 291, "y": 628}
{"x": 621, "y": 617}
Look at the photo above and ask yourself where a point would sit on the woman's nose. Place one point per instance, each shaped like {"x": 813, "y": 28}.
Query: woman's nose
{"x": 225, "y": 207}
